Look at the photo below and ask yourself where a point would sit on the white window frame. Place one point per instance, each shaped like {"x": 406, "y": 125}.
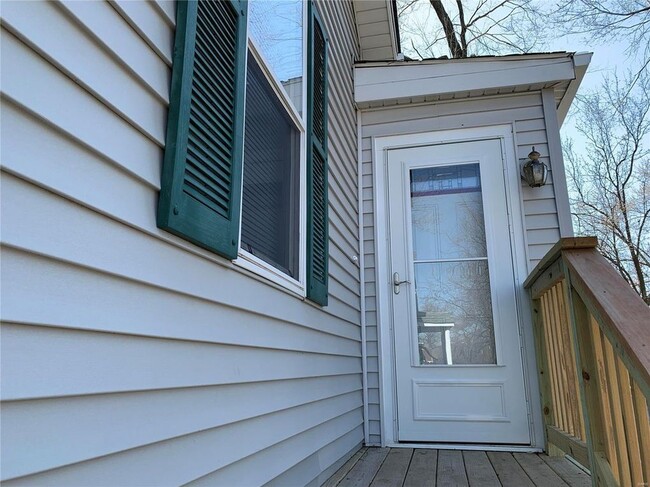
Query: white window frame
{"x": 246, "y": 259}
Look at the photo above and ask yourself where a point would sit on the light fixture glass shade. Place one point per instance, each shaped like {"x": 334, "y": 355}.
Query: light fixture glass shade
{"x": 534, "y": 171}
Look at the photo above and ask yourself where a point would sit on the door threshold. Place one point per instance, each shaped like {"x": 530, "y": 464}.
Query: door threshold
{"x": 469, "y": 446}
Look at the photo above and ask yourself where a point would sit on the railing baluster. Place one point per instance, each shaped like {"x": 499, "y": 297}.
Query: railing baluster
{"x": 591, "y": 394}
{"x": 559, "y": 361}
{"x": 643, "y": 427}
{"x": 631, "y": 433}
{"x": 557, "y": 394}
{"x": 574, "y": 362}
{"x": 617, "y": 414}
{"x": 543, "y": 365}
{"x": 564, "y": 380}
{"x": 609, "y": 438}
{"x": 570, "y": 364}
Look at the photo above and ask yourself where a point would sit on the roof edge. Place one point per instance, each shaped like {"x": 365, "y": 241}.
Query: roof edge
{"x": 394, "y": 25}
{"x": 377, "y": 81}
{"x": 581, "y": 62}
{"x": 474, "y": 59}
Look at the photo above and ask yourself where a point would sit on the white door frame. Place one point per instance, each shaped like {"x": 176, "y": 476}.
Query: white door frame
{"x": 387, "y": 378}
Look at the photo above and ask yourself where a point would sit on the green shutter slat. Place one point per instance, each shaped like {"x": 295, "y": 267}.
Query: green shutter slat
{"x": 209, "y": 126}
{"x": 220, "y": 118}
{"x": 211, "y": 50}
{"x": 213, "y": 40}
{"x": 199, "y": 154}
{"x": 218, "y": 80}
{"x": 197, "y": 185}
{"x": 216, "y": 9}
{"x": 221, "y": 13}
{"x": 319, "y": 84}
{"x": 317, "y": 205}
{"x": 319, "y": 216}
{"x": 216, "y": 191}
{"x": 211, "y": 83}
{"x": 208, "y": 151}
{"x": 200, "y": 196}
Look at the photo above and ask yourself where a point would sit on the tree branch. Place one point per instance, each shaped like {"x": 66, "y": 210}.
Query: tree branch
{"x": 450, "y": 34}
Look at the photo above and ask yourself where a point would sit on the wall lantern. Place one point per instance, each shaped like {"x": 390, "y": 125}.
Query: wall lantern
{"x": 534, "y": 171}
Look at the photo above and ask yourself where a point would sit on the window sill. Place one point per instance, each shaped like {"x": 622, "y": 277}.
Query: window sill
{"x": 248, "y": 261}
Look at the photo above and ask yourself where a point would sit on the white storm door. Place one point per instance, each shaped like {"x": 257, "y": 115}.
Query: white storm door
{"x": 457, "y": 349}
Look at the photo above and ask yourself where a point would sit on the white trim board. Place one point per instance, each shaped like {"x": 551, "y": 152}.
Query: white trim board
{"x": 362, "y": 285}
{"x": 377, "y": 83}
{"x": 557, "y": 163}
{"x": 581, "y": 62}
{"x": 470, "y": 446}
{"x": 380, "y": 146}
{"x": 412, "y": 79}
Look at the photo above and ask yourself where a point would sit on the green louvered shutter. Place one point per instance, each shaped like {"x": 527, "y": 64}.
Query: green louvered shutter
{"x": 317, "y": 221}
{"x": 200, "y": 197}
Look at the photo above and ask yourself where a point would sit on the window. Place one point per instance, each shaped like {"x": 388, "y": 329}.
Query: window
{"x": 270, "y": 228}
{"x": 245, "y": 167}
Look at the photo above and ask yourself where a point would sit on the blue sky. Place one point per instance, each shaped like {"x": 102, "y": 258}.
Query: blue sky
{"x": 607, "y": 60}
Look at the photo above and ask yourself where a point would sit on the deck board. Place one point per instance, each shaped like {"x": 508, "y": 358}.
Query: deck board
{"x": 509, "y": 471}
{"x": 451, "y": 469}
{"x": 393, "y": 471}
{"x": 362, "y": 473}
{"x": 405, "y": 467}
{"x": 538, "y": 471}
{"x": 479, "y": 469}
{"x": 340, "y": 474}
{"x": 422, "y": 471}
{"x": 569, "y": 472}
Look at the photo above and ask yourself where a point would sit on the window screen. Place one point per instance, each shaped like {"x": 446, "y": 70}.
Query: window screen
{"x": 271, "y": 189}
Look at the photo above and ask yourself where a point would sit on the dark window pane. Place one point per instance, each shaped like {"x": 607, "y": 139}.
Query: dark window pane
{"x": 270, "y": 206}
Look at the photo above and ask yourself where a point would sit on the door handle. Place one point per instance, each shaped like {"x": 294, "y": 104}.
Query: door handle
{"x": 397, "y": 282}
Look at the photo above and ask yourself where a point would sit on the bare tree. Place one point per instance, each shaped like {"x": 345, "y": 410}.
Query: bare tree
{"x": 469, "y": 27}
{"x": 611, "y": 179}
{"x": 608, "y": 20}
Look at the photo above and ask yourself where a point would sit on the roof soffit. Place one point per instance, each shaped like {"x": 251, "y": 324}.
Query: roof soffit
{"x": 377, "y": 29}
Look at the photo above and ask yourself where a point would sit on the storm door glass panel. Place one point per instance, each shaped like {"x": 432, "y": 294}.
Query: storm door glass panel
{"x": 452, "y": 279}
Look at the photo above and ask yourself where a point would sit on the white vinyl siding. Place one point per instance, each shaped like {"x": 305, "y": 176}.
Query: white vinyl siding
{"x": 129, "y": 356}
{"x": 525, "y": 112}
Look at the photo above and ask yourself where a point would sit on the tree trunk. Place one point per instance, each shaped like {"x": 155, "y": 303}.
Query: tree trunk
{"x": 455, "y": 47}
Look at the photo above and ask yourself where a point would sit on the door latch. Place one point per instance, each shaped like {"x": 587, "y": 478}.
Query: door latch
{"x": 397, "y": 282}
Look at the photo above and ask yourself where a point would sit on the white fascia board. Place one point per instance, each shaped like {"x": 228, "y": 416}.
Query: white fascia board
{"x": 393, "y": 27}
{"x": 412, "y": 79}
{"x": 581, "y": 62}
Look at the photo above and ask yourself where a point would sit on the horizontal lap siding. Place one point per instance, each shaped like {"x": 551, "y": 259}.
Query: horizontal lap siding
{"x": 129, "y": 356}
{"x": 539, "y": 209}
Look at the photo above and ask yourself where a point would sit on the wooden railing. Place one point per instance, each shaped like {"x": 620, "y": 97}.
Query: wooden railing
{"x": 592, "y": 334}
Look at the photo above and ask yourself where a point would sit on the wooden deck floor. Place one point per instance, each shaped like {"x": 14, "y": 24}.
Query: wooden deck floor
{"x": 407, "y": 467}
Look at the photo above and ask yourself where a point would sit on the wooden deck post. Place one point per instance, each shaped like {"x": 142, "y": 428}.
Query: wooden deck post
{"x": 548, "y": 411}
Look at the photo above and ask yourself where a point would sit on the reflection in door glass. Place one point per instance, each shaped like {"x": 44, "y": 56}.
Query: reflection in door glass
{"x": 452, "y": 281}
